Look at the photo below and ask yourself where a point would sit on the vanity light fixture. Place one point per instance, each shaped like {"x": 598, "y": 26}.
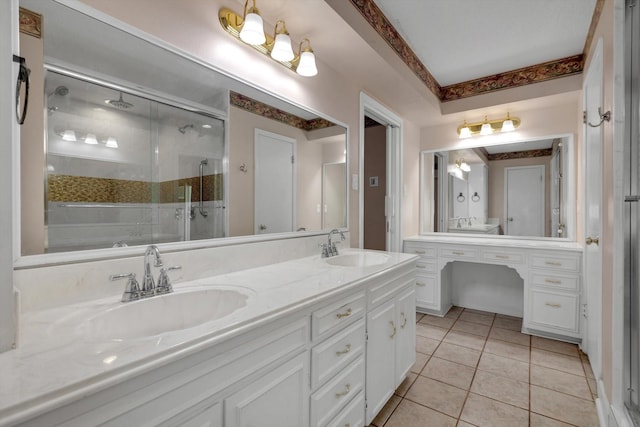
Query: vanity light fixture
{"x": 90, "y": 139}
{"x": 278, "y": 47}
{"x": 487, "y": 127}
{"x": 462, "y": 165}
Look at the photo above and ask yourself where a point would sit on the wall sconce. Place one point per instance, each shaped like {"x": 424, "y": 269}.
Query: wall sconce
{"x": 249, "y": 29}
{"x": 462, "y": 165}
{"x": 487, "y": 127}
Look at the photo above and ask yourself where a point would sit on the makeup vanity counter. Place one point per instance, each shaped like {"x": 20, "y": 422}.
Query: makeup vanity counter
{"x": 548, "y": 273}
{"x": 299, "y": 341}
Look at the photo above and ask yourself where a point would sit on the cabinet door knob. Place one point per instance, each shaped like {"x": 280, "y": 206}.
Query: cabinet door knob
{"x": 393, "y": 325}
{"x": 592, "y": 240}
{"x": 404, "y": 322}
{"x": 344, "y": 392}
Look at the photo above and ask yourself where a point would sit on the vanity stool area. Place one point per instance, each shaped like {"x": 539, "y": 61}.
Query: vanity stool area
{"x": 540, "y": 281}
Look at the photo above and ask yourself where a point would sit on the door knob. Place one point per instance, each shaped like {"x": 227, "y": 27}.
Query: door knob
{"x": 510, "y": 219}
{"x": 262, "y": 227}
{"x": 592, "y": 240}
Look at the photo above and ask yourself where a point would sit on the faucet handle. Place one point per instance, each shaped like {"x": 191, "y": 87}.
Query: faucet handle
{"x": 164, "y": 283}
{"x": 325, "y": 250}
{"x": 131, "y": 290}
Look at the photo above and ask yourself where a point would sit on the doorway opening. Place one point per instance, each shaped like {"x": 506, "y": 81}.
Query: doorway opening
{"x": 375, "y": 184}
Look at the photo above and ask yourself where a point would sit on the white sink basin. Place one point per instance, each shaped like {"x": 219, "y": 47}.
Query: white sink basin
{"x": 165, "y": 313}
{"x": 361, "y": 259}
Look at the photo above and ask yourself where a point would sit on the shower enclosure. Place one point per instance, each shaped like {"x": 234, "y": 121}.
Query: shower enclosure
{"x": 129, "y": 169}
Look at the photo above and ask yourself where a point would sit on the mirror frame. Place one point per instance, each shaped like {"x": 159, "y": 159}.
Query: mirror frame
{"x": 570, "y": 199}
{"x": 48, "y": 259}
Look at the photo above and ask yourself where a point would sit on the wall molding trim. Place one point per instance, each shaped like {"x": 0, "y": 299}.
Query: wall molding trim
{"x": 30, "y": 22}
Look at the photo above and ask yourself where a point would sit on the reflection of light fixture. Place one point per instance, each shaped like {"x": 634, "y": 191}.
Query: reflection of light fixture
{"x": 487, "y": 127}
{"x": 462, "y": 165}
{"x": 206, "y": 126}
{"x": 277, "y": 47}
{"x": 111, "y": 142}
{"x": 252, "y": 28}
{"x": 90, "y": 139}
{"x": 69, "y": 135}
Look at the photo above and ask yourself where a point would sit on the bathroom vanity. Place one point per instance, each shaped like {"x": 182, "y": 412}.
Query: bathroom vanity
{"x": 304, "y": 342}
{"x": 538, "y": 280}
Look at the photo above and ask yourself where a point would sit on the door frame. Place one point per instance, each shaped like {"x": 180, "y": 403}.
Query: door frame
{"x": 541, "y": 202}
{"x": 393, "y": 206}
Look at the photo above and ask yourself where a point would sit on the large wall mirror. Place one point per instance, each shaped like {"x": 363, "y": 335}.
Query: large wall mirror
{"x": 143, "y": 145}
{"x": 524, "y": 189}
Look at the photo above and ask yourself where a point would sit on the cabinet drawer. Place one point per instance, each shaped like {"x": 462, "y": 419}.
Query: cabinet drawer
{"x": 458, "y": 253}
{"x": 554, "y": 281}
{"x": 336, "y": 315}
{"x": 333, "y": 396}
{"x": 554, "y": 310}
{"x": 383, "y": 289}
{"x": 420, "y": 250}
{"x": 352, "y": 415}
{"x": 430, "y": 266}
{"x": 503, "y": 257}
{"x": 426, "y": 290}
{"x": 556, "y": 262}
{"x": 336, "y": 352}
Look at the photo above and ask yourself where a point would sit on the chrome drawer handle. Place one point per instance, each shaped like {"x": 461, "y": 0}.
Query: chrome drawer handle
{"x": 404, "y": 323}
{"x": 554, "y": 263}
{"x": 421, "y": 284}
{"x": 553, "y": 304}
{"x": 553, "y": 281}
{"x": 347, "y": 387}
{"x": 503, "y": 256}
{"x": 457, "y": 253}
{"x": 345, "y": 314}
{"x": 393, "y": 325}
{"x": 346, "y": 350}
{"x": 420, "y": 252}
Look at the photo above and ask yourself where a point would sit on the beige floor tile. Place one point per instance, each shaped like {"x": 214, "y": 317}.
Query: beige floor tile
{"x": 510, "y": 336}
{"x": 507, "y": 349}
{"x": 511, "y": 323}
{"x": 575, "y": 385}
{"x": 485, "y": 313}
{"x": 453, "y": 314}
{"x": 437, "y": 395}
{"x": 503, "y": 389}
{"x": 464, "y": 424}
{"x": 409, "y": 414}
{"x": 593, "y": 387}
{"x": 465, "y": 340}
{"x": 505, "y": 367}
{"x": 558, "y": 361}
{"x": 430, "y": 331}
{"x": 537, "y": 420}
{"x": 421, "y": 360}
{"x": 419, "y": 316}
{"x": 508, "y": 316}
{"x": 483, "y": 319}
{"x": 406, "y": 384}
{"x": 563, "y": 407}
{"x": 426, "y": 345}
{"x": 386, "y": 411}
{"x": 482, "y": 411}
{"x": 471, "y": 328}
{"x": 587, "y": 368}
{"x": 555, "y": 346}
{"x": 451, "y": 373}
{"x": 458, "y": 354}
{"x": 441, "y": 322}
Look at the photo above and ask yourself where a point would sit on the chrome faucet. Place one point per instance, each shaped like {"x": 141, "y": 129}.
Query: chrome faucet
{"x": 329, "y": 249}
{"x": 148, "y": 284}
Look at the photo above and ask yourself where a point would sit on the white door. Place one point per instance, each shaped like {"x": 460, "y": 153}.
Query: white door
{"x": 274, "y": 183}
{"x": 524, "y": 201}
{"x": 593, "y": 207}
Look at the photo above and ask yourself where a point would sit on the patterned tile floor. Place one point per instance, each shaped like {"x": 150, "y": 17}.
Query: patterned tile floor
{"x": 475, "y": 368}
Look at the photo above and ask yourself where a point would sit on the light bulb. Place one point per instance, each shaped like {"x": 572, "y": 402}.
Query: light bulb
{"x": 486, "y": 129}
{"x": 112, "y": 142}
{"x": 253, "y": 29}
{"x": 465, "y": 132}
{"x": 90, "y": 139}
{"x": 307, "y": 65}
{"x": 507, "y": 125}
{"x": 282, "y": 48}
{"x": 69, "y": 135}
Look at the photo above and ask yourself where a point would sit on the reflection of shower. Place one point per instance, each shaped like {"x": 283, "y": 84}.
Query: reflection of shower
{"x": 60, "y": 91}
{"x": 201, "y": 207}
{"x": 119, "y": 103}
{"x": 184, "y": 128}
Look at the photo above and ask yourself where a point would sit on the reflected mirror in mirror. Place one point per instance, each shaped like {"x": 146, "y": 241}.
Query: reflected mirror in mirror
{"x": 517, "y": 189}
{"x": 182, "y": 150}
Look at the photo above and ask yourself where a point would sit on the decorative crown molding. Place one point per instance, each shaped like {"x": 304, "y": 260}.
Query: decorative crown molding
{"x": 528, "y": 154}
{"x": 592, "y": 27}
{"x": 30, "y": 22}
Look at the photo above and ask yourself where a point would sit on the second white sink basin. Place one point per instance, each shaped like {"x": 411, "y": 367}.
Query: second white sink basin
{"x": 361, "y": 259}
{"x": 165, "y": 313}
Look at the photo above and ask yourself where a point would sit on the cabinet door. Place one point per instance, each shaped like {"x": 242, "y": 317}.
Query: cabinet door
{"x": 406, "y": 334}
{"x": 381, "y": 331}
{"x": 277, "y": 399}
{"x": 210, "y": 417}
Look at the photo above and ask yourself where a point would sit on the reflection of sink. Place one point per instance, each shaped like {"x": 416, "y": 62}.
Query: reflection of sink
{"x": 171, "y": 312}
{"x": 363, "y": 259}
{"x": 476, "y": 228}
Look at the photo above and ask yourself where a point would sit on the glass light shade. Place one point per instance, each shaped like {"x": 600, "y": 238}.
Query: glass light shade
{"x": 282, "y": 48}
{"x": 465, "y": 167}
{"x": 253, "y": 30}
{"x": 307, "y": 64}
{"x": 507, "y": 126}
{"x": 90, "y": 139}
{"x": 112, "y": 142}
{"x": 69, "y": 135}
{"x": 465, "y": 132}
{"x": 486, "y": 129}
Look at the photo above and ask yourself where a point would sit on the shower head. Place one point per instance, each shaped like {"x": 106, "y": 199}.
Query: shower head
{"x": 119, "y": 103}
{"x": 184, "y": 128}
{"x": 60, "y": 91}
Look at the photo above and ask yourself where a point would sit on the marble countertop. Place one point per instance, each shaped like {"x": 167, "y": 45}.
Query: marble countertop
{"x": 509, "y": 241}
{"x": 55, "y": 364}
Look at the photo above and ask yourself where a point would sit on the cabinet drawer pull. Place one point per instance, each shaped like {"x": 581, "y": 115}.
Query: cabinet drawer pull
{"x": 553, "y": 281}
{"x": 347, "y": 349}
{"x": 347, "y": 425}
{"x": 503, "y": 256}
{"x": 420, "y": 252}
{"x": 345, "y": 314}
{"x": 457, "y": 253}
{"x": 553, "y": 304}
{"x": 393, "y": 325}
{"x": 422, "y": 284}
{"x": 344, "y": 392}
{"x": 554, "y": 263}
{"x": 420, "y": 266}
{"x": 404, "y": 322}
